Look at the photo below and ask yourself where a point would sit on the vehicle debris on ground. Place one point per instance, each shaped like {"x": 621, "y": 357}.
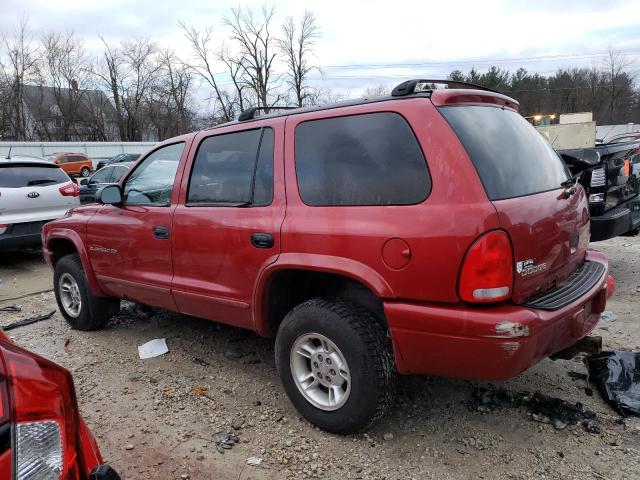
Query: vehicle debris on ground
{"x": 28, "y": 321}
{"x": 153, "y": 348}
{"x": 542, "y": 408}
{"x": 617, "y": 375}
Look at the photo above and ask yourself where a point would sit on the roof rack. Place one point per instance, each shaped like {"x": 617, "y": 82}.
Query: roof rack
{"x": 250, "y": 113}
{"x": 422, "y": 85}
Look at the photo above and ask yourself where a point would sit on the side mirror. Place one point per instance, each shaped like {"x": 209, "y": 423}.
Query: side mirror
{"x": 84, "y": 181}
{"x": 109, "y": 195}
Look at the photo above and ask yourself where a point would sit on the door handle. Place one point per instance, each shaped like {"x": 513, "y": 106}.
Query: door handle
{"x": 262, "y": 240}
{"x": 161, "y": 233}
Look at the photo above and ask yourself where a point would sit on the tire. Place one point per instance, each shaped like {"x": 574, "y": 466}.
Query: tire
{"x": 355, "y": 337}
{"x": 80, "y": 308}
{"x": 85, "y": 172}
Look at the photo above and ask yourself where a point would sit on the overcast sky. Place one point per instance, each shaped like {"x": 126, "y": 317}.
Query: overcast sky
{"x": 374, "y": 42}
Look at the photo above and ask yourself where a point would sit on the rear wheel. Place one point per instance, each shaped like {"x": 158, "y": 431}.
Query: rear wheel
{"x": 85, "y": 172}
{"x": 336, "y": 364}
{"x": 80, "y": 308}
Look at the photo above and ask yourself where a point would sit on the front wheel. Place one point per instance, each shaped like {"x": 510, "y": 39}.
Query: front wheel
{"x": 85, "y": 172}
{"x": 336, "y": 364}
{"x": 80, "y": 308}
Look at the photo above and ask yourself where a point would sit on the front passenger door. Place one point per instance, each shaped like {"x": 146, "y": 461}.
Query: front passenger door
{"x": 130, "y": 244}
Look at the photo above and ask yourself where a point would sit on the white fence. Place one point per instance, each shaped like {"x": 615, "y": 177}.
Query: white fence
{"x": 94, "y": 150}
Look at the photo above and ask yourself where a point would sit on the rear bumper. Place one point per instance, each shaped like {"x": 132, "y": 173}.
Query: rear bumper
{"x": 489, "y": 343}
{"x": 20, "y": 235}
{"x": 616, "y": 221}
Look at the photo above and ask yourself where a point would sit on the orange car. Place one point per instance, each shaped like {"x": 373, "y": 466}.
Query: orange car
{"x": 72, "y": 163}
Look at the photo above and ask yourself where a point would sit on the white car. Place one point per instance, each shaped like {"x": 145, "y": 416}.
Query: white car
{"x": 32, "y": 192}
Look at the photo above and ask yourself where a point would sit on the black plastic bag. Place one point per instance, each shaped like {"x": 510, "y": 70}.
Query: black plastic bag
{"x": 617, "y": 375}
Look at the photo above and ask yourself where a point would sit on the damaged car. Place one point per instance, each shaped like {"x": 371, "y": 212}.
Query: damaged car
{"x": 406, "y": 234}
{"x": 42, "y": 435}
{"x": 610, "y": 176}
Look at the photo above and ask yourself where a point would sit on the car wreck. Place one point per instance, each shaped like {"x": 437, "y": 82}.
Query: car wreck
{"x": 610, "y": 175}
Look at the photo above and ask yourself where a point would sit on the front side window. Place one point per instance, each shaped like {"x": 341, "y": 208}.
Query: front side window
{"x": 118, "y": 173}
{"x": 152, "y": 182}
{"x": 101, "y": 176}
{"x": 233, "y": 169}
{"x": 370, "y": 159}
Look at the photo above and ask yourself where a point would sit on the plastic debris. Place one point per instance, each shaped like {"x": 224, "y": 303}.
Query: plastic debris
{"x": 224, "y": 441}
{"x": 153, "y": 348}
{"x": 10, "y": 308}
{"x": 542, "y": 408}
{"x": 28, "y": 321}
{"x": 608, "y": 316}
{"x": 617, "y": 375}
{"x": 254, "y": 461}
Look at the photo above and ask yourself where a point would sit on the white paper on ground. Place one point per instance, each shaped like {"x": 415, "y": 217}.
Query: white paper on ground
{"x": 153, "y": 348}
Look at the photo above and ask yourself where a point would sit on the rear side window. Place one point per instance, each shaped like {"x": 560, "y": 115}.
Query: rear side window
{"x": 233, "y": 168}
{"x": 25, "y": 175}
{"x": 370, "y": 159}
{"x": 511, "y": 157}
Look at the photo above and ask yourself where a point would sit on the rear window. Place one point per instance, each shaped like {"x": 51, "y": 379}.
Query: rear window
{"x": 25, "y": 175}
{"x": 369, "y": 159}
{"x": 511, "y": 157}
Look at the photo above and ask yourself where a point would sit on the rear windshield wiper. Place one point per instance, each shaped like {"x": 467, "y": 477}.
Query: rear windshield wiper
{"x": 570, "y": 182}
{"x": 40, "y": 182}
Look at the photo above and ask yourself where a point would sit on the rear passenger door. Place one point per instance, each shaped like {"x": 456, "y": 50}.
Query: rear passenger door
{"x": 227, "y": 224}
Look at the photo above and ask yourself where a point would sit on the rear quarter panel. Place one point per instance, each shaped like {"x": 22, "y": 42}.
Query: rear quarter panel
{"x": 438, "y": 230}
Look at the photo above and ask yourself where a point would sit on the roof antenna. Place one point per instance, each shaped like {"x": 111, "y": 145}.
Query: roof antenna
{"x": 9, "y": 154}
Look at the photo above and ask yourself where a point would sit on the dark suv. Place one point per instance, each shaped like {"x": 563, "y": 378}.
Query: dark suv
{"x": 433, "y": 231}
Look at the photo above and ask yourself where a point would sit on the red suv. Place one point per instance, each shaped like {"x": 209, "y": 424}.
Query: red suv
{"x": 433, "y": 231}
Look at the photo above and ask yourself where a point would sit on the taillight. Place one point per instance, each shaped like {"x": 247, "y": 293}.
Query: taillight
{"x": 43, "y": 409}
{"x": 70, "y": 190}
{"x": 3, "y": 227}
{"x": 486, "y": 274}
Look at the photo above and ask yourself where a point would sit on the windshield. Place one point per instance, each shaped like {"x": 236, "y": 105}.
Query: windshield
{"x": 25, "y": 175}
{"x": 511, "y": 157}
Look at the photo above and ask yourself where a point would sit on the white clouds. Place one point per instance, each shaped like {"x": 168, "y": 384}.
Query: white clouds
{"x": 375, "y": 31}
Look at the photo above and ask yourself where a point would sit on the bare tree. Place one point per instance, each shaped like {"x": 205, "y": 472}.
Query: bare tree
{"x": 257, "y": 49}
{"x": 22, "y": 66}
{"x": 617, "y": 81}
{"x": 130, "y": 73}
{"x": 66, "y": 72}
{"x": 203, "y": 66}
{"x": 169, "y": 107}
{"x": 233, "y": 62}
{"x": 296, "y": 47}
{"x": 112, "y": 75}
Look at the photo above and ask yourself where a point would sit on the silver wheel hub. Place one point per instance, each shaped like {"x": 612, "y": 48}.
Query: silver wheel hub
{"x": 320, "y": 371}
{"x": 70, "y": 295}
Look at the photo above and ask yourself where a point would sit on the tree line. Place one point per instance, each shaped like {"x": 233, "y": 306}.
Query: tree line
{"x": 52, "y": 88}
{"x": 607, "y": 90}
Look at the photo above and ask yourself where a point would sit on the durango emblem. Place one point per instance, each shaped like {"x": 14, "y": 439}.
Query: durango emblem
{"x": 33, "y": 194}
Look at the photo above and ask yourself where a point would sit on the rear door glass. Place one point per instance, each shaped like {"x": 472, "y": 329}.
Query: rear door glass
{"x": 25, "y": 175}
{"x": 510, "y": 156}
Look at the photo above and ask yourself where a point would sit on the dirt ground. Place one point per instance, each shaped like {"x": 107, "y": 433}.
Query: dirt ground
{"x": 155, "y": 419}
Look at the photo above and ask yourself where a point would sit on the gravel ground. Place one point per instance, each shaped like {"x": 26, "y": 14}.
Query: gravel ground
{"x": 155, "y": 419}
